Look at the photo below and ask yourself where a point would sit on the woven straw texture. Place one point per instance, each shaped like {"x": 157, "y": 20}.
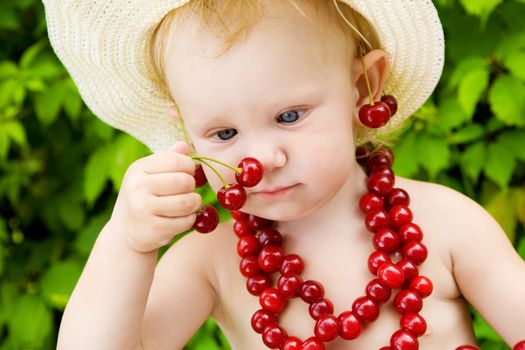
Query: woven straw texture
{"x": 104, "y": 46}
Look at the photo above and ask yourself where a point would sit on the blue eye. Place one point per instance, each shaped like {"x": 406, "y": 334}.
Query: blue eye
{"x": 290, "y": 116}
{"x": 226, "y": 134}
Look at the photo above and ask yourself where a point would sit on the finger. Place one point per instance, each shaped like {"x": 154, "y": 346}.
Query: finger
{"x": 166, "y": 184}
{"x": 166, "y": 162}
{"x": 177, "y": 205}
{"x": 167, "y": 228}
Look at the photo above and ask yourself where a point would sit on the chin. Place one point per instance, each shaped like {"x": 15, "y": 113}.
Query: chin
{"x": 283, "y": 211}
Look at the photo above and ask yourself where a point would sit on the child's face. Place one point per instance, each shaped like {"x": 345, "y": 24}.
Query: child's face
{"x": 283, "y": 97}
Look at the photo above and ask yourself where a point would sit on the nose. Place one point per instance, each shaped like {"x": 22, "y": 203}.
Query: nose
{"x": 270, "y": 155}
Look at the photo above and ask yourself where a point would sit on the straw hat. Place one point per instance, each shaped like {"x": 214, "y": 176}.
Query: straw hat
{"x": 104, "y": 46}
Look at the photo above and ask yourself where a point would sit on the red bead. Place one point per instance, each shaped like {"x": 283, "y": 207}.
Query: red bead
{"x": 410, "y": 232}
{"x": 292, "y": 263}
{"x": 258, "y": 283}
{"x": 408, "y": 301}
{"x": 415, "y": 251}
{"x": 403, "y": 340}
{"x": 391, "y": 275}
{"x": 376, "y": 219}
{"x": 467, "y": 347}
{"x": 232, "y": 198}
{"x": 409, "y": 269}
{"x": 414, "y": 323}
{"x": 251, "y": 174}
{"x": 374, "y": 115}
{"x": 199, "y": 176}
{"x": 258, "y": 223}
{"x": 376, "y": 260}
{"x": 271, "y": 258}
{"x": 249, "y": 266}
{"x": 313, "y": 343}
{"x": 261, "y": 319}
{"x": 326, "y": 328}
{"x": 289, "y": 284}
{"x": 386, "y": 240}
{"x": 292, "y": 343}
{"x": 350, "y": 325}
{"x": 378, "y": 291}
{"x": 391, "y": 103}
{"x": 239, "y": 215}
{"x": 519, "y": 346}
{"x": 366, "y": 309}
{"x": 380, "y": 183}
{"x": 397, "y": 196}
{"x": 311, "y": 291}
{"x": 370, "y": 201}
{"x": 423, "y": 285}
{"x": 320, "y": 307}
{"x": 207, "y": 219}
{"x": 272, "y": 300}
{"x": 269, "y": 236}
{"x": 248, "y": 245}
{"x": 274, "y": 336}
{"x": 242, "y": 228}
{"x": 400, "y": 215}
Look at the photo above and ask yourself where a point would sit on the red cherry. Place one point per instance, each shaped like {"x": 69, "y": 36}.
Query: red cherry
{"x": 414, "y": 323}
{"x": 198, "y": 175}
{"x": 400, "y": 215}
{"x": 350, "y": 325}
{"x": 408, "y": 301}
{"x": 409, "y": 269}
{"x": 362, "y": 153}
{"x": 243, "y": 228}
{"x": 292, "y": 343}
{"x": 382, "y": 157}
{"x": 374, "y": 116}
{"x": 207, "y": 219}
{"x": 320, "y": 307}
{"x": 249, "y": 266}
{"x": 391, "y": 102}
{"x": 247, "y": 245}
{"x": 326, "y": 328}
{"x": 415, "y": 251}
{"x": 232, "y": 198}
{"x": 289, "y": 284}
{"x": 311, "y": 291}
{"x": 385, "y": 348}
{"x": 261, "y": 319}
{"x": 383, "y": 169}
{"x": 380, "y": 183}
{"x": 272, "y": 300}
{"x": 370, "y": 201}
{"x": 258, "y": 283}
{"x": 376, "y": 219}
{"x": 410, "y": 232}
{"x": 271, "y": 258}
{"x": 397, "y": 196}
{"x": 391, "y": 275}
{"x": 376, "y": 260}
{"x": 313, "y": 343}
{"x": 292, "y": 263}
{"x": 274, "y": 336}
{"x": 258, "y": 222}
{"x": 386, "y": 240}
{"x": 403, "y": 340}
{"x": 378, "y": 291}
{"x": 251, "y": 174}
{"x": 239, "y": 215}
{"x": 468, "y": 347}
{"x": 366, "y": 309}
{"x": 519, "y": 346}
{"x": 422, "y": 285}
{"x": 269, "y": 236}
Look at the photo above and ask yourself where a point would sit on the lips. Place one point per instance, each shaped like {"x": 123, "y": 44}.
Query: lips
{"x": 273, "y": 190}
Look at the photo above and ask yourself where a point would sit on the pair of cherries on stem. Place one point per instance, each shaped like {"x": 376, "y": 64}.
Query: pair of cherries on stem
{"x": 248, "y": 173}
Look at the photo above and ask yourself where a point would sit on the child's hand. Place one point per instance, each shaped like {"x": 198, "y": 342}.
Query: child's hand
{"x": 156, "y": 200}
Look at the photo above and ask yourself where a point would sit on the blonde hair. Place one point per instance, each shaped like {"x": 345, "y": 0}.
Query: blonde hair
{"x": 235, "y": 19}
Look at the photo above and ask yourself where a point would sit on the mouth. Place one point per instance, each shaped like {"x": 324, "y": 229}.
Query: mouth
{"x": 275, "y": 191}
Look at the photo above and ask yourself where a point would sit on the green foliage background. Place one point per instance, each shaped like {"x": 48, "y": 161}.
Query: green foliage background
{"x": 61, "y": 168}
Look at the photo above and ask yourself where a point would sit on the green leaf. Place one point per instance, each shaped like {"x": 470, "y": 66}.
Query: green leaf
{"x": 88, "y": 235}
{"x": 31, "y": 53}
{"x": 72, "y": 101}
{"x": 71, "y": 214}
{"x": 96, "y": 173}
{"x": 126, "y": 150}
{"x": 515, "y": 63}
{"x": 467, "y": 134}
{"x": 480, "y": 8}
{"x": 405, "y": 151}
{"x": 7, "y": 69}
{"x": 507, "y": 100}
{"x": 464, "y": 68}
{"x": 514, "y": 141}
{"x": 472, "y": 159}
{"x": 433, "y": 153}
{"x": 15, "y": 130}
{"x": 451, "y": 114}
{"x": 471, "y": 88}
{"x": 59, "y": 281}
{"x": 8, "y": 18}
{"x": 4, "y": 144}
{"x": 521, "y": 248}
{"x": 6, "y": 91}
{"x": 48, "y": 103}
{"x": 500, "y": 164}
{"x": 497, "y": 206}
{"x": 31, "y": 322}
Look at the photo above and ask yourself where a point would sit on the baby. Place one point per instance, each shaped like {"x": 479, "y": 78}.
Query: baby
{"x": 285, "y": 90}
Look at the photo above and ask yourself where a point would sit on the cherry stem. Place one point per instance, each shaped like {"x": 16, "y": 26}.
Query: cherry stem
{"x": 224, "y": 183}
{"x": 366, "y": 77}
{"x": 186, "y": 138}
{"x": 237, "y": 170}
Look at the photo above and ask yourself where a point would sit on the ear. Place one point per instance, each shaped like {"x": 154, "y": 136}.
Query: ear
{"x": 376, "y": 65}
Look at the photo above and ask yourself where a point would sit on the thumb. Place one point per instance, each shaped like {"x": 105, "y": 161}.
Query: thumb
{"x": 180, "y": 147}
